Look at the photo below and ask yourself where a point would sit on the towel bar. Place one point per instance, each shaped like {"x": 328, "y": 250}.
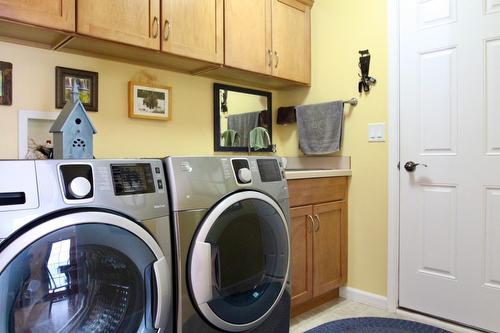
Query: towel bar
{"x": 286, "y": 115}
{"x": 353, "y": 101}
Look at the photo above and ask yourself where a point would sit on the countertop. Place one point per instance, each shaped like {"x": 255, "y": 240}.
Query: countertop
{"x": 317, "y": 167}
{"x": 317, "y": 173}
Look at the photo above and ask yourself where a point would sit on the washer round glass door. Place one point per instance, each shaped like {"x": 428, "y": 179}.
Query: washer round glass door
{"x": 239, "y": 261}
{"x": 82, "y": 272}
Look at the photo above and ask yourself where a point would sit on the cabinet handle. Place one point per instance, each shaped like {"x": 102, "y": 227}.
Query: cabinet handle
{"x": 155, "y": 27}
{"x": 270, "y": 53}
{"x": 277, "y": 59}
{"x": 310, "y": 229}
{"x": 166, "y": 30}
{"x": 319, "y": 221}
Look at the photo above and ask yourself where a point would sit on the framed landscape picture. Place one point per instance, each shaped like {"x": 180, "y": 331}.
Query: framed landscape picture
{"x": 149, "y": 101}
{"x": 86, "y": 81}
{"x": 5, "y": 83}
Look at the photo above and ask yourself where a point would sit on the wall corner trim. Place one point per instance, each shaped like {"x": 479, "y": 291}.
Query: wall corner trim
{"x": 393, "y": 160}
{"x": 364, "y": 297}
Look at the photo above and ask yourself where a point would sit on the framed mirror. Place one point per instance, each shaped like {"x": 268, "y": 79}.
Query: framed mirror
{"x": 242, "y": 119}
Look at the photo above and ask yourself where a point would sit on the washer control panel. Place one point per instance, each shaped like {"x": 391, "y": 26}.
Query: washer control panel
{"x": 77, "y": 181}
{"x": 134, "y": 178}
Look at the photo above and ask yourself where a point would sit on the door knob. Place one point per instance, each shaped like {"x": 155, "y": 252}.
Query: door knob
{"x": 411, "y": 166}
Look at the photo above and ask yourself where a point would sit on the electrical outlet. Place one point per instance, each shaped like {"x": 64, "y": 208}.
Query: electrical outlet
{"x": 376, "y": 132}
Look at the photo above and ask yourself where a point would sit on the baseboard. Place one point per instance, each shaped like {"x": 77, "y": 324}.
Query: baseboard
{"x": 435, "y": 322}
{"x": 364, "y": 297}
{"x": 380, "y": 302}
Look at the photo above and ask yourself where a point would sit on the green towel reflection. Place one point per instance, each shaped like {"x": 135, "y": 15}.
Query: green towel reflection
{"x": 230, "y": 138}
{"x": 259, "y": 138}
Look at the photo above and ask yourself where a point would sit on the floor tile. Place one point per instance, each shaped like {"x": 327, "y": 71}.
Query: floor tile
{"x": 334, "y": 310}
{"x": 341, "y": 309}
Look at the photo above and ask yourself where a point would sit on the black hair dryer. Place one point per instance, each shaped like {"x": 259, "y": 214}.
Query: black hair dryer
{"x": 364, "y": 64}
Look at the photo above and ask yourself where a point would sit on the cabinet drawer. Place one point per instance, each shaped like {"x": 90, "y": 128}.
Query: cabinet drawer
{"x": 316, "y": 190}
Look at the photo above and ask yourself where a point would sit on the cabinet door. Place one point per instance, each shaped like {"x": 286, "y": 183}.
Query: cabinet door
{"x": 56, "y": 14}
{"x": 247, "y": 35}
{"x": 329, "y": 251}
{"x": 291, "y": 22}
{"x": 133, "y": 22}
{"x": 302, "y": 254}
{"x": 193, "y": 28}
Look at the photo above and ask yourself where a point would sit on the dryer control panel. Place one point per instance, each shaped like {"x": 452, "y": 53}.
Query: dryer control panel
{"x": 269, "y": 170}
{"x": 196, "y": 181}
{"x": 242, "y": 171}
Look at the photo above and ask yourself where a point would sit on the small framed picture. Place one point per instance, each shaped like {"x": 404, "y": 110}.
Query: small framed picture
{"x": 149, "y": 101}
{"x": 86, "y": 81}
{"x": 5, "y": 83}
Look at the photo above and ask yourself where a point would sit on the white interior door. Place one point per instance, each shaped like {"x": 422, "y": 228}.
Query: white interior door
{"x": 450, "y": 120}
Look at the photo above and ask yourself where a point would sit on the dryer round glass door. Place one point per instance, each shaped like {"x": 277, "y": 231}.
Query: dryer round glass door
{"x": 239, "y": 261}
{"x": 82, "y": 272}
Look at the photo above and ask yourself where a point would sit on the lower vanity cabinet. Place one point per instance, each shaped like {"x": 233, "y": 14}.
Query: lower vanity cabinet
{"x": 329, "y": 238}
{"x": 319, "y": 240}
{"x": 302, "y": 254}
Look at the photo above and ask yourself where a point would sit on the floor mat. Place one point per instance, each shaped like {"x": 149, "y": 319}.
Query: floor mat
{"x": 375, "y": 325}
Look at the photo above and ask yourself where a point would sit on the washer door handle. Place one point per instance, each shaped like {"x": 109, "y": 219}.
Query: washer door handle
{"x": 215, "y": 260}
{"x": 201, "y": 272}
{"x": 160, "y": 271}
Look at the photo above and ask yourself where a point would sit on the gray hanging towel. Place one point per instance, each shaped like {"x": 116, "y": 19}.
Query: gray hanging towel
{"x": 243, "y": 123}
{"x": 320, "y": 127}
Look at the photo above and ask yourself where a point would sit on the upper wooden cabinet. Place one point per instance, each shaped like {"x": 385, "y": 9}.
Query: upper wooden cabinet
{"x": 247, "y": 35}
{"x": 194, "y": 29}
{"x": 269, "y": 37}
{"x": 55, "y": 14}
{"x": 133, "y": 22}
{"x": 261, "y": 42}
{"x": 292, "y": 40}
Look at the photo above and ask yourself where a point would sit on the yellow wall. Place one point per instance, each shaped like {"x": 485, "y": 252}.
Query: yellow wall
{"x": 340, "y": 29}
{"x": 190, "y": 131}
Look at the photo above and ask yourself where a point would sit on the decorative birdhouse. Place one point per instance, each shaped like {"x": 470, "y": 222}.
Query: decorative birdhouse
{"x": 73, "y": 131}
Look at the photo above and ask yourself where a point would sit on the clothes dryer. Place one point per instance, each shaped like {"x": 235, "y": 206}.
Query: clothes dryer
{"x": 231, "y": 223}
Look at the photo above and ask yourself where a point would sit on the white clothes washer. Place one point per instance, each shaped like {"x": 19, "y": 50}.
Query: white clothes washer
{"x": 85, "y": 247}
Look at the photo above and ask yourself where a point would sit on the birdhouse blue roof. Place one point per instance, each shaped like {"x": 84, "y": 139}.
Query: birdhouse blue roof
{"x": 74, "y": 106}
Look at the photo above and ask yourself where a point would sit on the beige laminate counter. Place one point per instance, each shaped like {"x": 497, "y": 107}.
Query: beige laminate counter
{"x": 317, "y": 173}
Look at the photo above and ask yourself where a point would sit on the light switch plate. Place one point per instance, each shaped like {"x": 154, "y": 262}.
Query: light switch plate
{"x": 376, "y": 132}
